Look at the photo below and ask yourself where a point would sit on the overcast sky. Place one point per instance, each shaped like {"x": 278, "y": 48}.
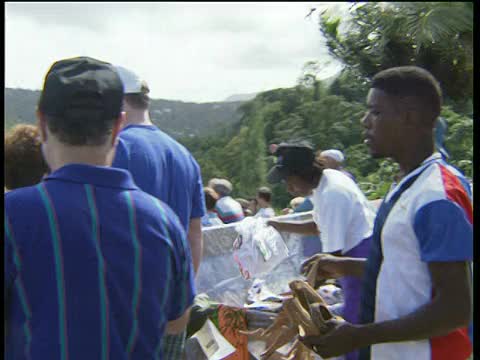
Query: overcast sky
{"x": 196, "y": 52}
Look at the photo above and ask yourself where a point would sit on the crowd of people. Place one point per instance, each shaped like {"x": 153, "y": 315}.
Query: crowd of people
{"x": 104, "y": 215}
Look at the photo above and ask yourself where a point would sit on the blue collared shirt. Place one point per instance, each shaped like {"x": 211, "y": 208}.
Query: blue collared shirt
{"x": 94, "y": 268}
{"x": 163, "y": 168}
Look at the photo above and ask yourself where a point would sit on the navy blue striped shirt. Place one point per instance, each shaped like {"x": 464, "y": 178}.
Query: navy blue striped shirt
{"x": 94, "y": 268}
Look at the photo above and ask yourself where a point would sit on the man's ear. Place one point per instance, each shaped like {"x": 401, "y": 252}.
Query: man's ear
{"x": 117, "y": 127}
{"x": 42, "y": 125}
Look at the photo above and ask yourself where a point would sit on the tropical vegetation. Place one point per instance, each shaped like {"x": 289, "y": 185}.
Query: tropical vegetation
{"x": 436, "y": 36}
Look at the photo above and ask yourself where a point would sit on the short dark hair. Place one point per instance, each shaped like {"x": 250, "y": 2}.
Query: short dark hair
{"x": 80, "y": 127}
{"x": 312, "y": 174}
{"x": 211, "y": 198}
{"x": 265, "y": 193}
{"x": 24, "y": 162}
{"x": 141, "y": 100}
{"x": 415, "y": 82}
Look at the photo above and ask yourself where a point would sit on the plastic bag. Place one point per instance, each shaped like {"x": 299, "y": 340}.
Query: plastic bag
{"x": 258, "y": 247}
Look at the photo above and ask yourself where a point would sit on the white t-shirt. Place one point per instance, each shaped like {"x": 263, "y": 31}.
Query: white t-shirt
{"x": 431, "y": 222}
{"x": 341, "y": 211}
{"x": 265, "y": 213}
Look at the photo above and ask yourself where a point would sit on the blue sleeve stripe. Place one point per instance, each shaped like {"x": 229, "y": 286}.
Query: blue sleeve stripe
{"x": 59, "y": 270}
{"x": 444, "y": 232}
{"x": 102, "y": 281}
{"x": 137, "y": 283}
{"x": 165, "y": 291}
{"x": 27, "y": 312}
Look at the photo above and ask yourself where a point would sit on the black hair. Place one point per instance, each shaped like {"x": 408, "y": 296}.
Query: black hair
{"x": 415, "y": 83}
{"x": 80, "y": 127}
{"x": 311, "y": 174}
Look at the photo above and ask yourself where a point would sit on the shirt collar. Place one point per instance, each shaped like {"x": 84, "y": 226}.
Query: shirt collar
{"x": 96, "y": 175}
{"x": 435, "y": 157}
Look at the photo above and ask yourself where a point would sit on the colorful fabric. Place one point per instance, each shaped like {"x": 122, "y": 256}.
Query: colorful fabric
{"x": 230, "y": 320}
{"x": 163, "y": 168}
{"x": 94, "y": 268}
{"x": 431, "y": 222}
{"x": 229, "y": 210}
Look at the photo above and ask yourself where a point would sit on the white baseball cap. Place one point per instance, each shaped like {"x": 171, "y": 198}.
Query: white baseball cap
{"x": 334, "y": 154}
{"x": 132, "y": 83}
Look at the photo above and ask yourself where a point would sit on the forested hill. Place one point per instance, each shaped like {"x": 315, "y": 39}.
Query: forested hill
{"x": 328, "y": 113}
{"x": 179, "y": 119}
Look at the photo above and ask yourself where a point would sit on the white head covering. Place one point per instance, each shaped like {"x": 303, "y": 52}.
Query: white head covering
{"x": 131, "y": 82}
{"x": 334, "y": 154}
{"x": 221, "y": 186}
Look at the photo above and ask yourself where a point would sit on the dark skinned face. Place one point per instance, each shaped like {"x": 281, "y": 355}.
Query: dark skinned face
{"x": 383, "y": 125}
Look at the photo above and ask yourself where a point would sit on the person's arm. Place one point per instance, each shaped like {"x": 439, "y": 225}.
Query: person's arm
{"x": 194, "y": 236}
{"x": 332, "y": 266}
{"x": 195, "y": 239}
{"x": 305, "y": 228}
{"x": 177, "y": 326}
{"x": 450, "y": 309}
{"x": 445, "y": 239}
{"x": 181, "y": 287}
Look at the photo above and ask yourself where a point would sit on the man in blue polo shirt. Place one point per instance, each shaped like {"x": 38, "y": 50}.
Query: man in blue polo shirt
{"x": 95, "y": 268}
{"x": 163, "y": 168}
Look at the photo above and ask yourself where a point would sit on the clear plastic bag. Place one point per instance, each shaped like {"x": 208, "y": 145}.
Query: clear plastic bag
{"x": 258, "y": 248}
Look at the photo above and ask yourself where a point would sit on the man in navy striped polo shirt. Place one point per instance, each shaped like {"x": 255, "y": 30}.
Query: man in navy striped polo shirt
{"x": 94, "y": 267}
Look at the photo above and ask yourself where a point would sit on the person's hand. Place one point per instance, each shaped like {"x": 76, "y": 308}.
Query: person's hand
{"x": 329, "y": 266}
{"x": 343, "y": 337}
{"x": 287, "y": 211}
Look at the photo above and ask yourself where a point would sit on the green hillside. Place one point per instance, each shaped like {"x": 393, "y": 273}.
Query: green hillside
{"x": 177, "y": 118}
{"x": 328, "y": 114}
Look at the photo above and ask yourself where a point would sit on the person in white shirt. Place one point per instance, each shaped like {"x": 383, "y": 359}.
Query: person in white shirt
{"x": 341, "y": 212}
{"x": 334, "y": 159}
{"x": 264, "y": 199}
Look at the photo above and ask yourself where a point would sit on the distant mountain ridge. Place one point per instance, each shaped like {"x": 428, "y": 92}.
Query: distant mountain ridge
{"x": 177, "y": 118}
{"x": 241, "y": 97}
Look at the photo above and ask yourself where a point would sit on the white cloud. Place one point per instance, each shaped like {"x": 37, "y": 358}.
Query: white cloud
{"x": 186, "y": 51}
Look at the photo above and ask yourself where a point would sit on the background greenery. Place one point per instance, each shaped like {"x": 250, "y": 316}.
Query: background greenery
{"x": 230, "y": 139}
{"x": 436, "y": 36}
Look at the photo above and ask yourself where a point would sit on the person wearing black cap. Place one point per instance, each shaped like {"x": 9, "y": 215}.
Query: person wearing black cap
{"x": 94, "y": 267}
{"x": 341, "y": 213}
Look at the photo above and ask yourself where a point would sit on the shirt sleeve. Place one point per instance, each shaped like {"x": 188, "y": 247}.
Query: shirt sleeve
{"x": 198, "y": 197}
{"x": 182, "y": 286}
{"x": 332, "y": 214}
{"x": 10, "y": 270}
{"x": 443, "y": 232}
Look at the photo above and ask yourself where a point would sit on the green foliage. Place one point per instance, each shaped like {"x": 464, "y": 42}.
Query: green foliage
{"x": 330, "y": 122}
{"x": 435, "y": 35}
{"x": 459, "y": 140}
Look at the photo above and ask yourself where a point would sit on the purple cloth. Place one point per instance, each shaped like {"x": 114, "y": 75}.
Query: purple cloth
{"x": 351, "y": 287}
